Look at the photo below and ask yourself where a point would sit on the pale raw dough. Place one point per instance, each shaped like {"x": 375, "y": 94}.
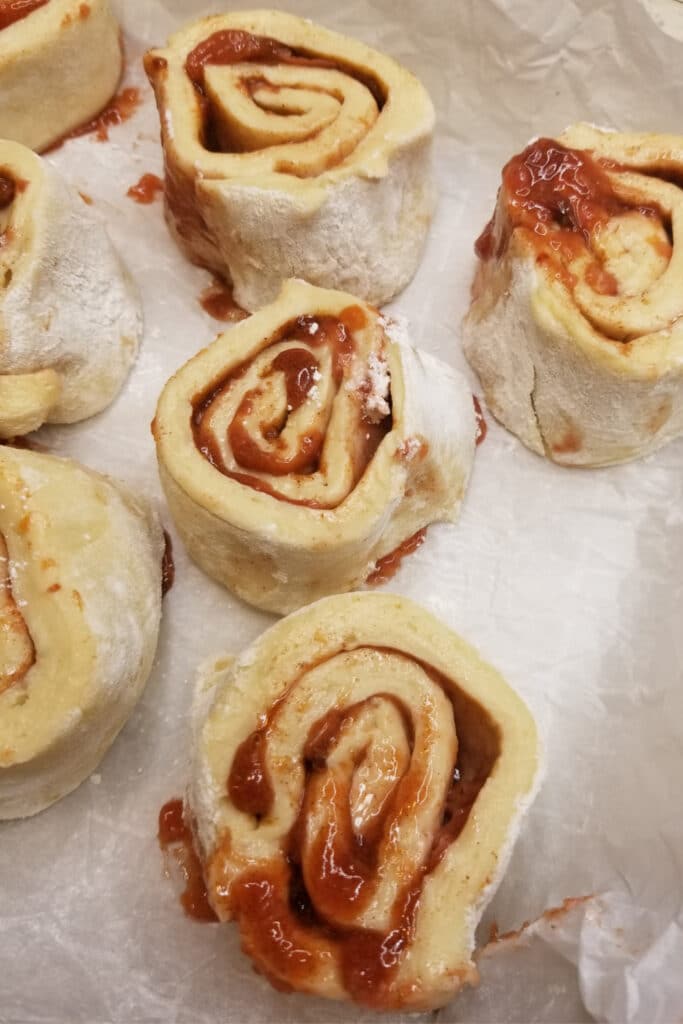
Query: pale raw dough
{"x": 368, "y": 649}
{"x": 591, "y": 379}
{"x": 278, "y": 555}
{"x": 59, "y": 66}
{"x": 70, "y": 316}
{"x": 341, "y": 196}
{"x": 80, "y": 604}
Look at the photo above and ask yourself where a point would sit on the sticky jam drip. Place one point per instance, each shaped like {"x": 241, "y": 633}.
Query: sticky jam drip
{"x": 219, "y": 302}
{"x": 146, "y": 189}
{"x": 119, "y": 109}
{"x": 267, "y": 453}
{"x": 561, "y": 198}
{"x": 302, "y": 907}
{"x": 175, "y": 837}
{"x": 12, "y": 11}
{"x": 17, "y": 652}
{"x": 387, "y": 566}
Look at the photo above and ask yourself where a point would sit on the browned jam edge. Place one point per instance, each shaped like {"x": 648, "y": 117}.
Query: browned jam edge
{"x": 560, "y": 198}
{"x": 167, "y": 565}
{"x": 12, "y": 621}
{"x": 298, "y": 365}
{"x": 279, "y": 924}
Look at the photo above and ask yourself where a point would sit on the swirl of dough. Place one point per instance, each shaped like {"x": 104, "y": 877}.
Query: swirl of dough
{"x": 584, "y": 254}
{"x": 80, "y": 603}
{"x": 358, "y": 780}
{"x": 70, "y": 320}
{"x": 306, "y": 443}
{"x": 266, "y": 115}
{"x": 60, "y": 62}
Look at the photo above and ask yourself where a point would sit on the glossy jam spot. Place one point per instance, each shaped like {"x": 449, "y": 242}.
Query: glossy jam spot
{"x": 146, "y": 190}
{"x": 387, "y": 566}
{"x": 249, "y": 783}
{"x": 560, "y": 198}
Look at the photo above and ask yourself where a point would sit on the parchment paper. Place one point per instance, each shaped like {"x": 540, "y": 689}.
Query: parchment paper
{"x": 568, "y": 581}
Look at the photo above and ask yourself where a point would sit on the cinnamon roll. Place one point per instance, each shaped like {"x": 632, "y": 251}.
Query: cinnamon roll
{"x": 80, "y": 598}
{"x": 307, "y": 443}
{"x": 292, "y": 151}
{"x": 60, "y": 63}
{"x": 359, "y": 776}
{"x": 70, "y": 318}
{"x": 576, "y": 323}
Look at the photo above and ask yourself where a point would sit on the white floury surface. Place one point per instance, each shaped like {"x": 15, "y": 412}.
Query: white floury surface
{"x": 568, "y": 581}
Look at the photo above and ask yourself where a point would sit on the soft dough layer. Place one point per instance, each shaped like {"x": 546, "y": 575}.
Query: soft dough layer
{"x": 358, "y": 780}
{"x": 80, "y": 603}
{"x": 576, "y": 323}
{"x": 70, "y": 318}
{"x": 306, "y": 443}
{"x": 292, "y": 151}
{"x": 59, "y": 65}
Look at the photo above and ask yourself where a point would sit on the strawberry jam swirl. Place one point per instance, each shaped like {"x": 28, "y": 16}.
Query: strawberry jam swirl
{"x": 563, "y": 200}
{"x": 235, "y": 46}
{"x": 387, "y": 784}
{"x": 17, "y": 652}
{"x": 12, "y": 11}
{"x": 266, "y": 423}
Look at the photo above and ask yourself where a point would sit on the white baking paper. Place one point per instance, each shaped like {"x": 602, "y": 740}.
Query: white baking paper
{"x": 568, "y": 581}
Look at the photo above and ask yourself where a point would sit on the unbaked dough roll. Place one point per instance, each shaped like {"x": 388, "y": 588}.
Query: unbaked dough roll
{"x": 80, "y": 603}
{"x": 358, "y": 780}
{"x": 60, "y": 63}
{"x": 292, "y": 151}
{"x": 308, "y": 442}
{"x": 70, "y": 318}
{"x": 576, "y": 324}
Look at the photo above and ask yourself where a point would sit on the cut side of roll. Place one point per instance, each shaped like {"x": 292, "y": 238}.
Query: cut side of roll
{"x": 60, "y": 63}
{"x": 358, "y": 780}
{"x": 80, "y": 603}
{"x": 576, "y": 323}
{"x": 306, "y": 443}
{"x": 70, "y": 318}
{"x": 292, "y": 151}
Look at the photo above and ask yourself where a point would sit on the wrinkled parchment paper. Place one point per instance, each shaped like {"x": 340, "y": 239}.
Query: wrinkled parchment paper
{"x": 568, "y": 581}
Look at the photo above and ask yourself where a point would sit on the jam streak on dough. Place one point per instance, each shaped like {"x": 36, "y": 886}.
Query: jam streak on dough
{"x": 12, "y": 11}
{"x": 17, "y": 652}
{"x": 561, "y": 198}
{"x": 278, "y": 906}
